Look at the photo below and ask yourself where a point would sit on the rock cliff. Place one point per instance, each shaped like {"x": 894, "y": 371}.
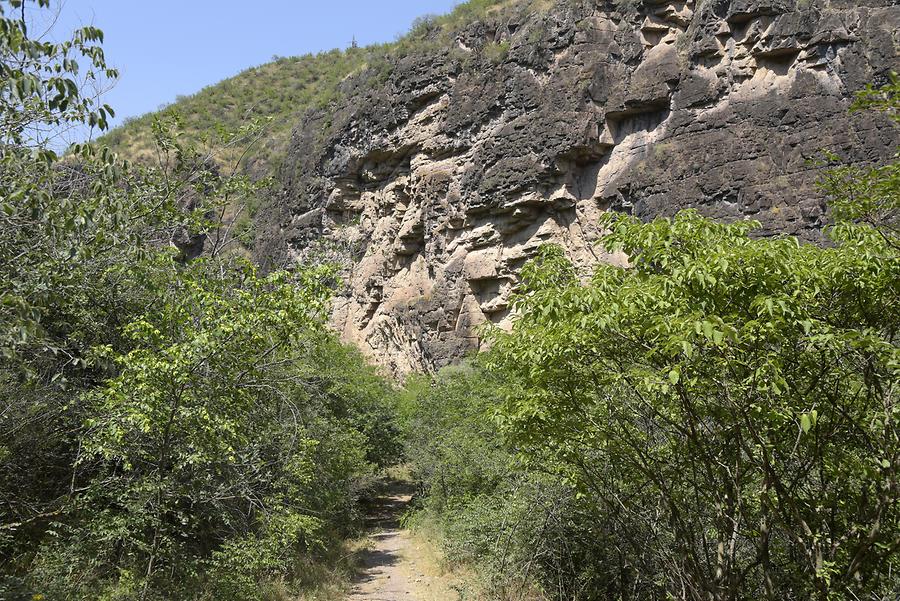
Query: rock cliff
{"x": 438, "y": 174}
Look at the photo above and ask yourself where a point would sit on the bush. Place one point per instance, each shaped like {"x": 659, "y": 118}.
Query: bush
{"x": 521, "y": 527}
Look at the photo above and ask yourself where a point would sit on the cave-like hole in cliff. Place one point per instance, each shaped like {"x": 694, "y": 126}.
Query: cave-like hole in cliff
{"x": 344, "y": 217}
{"x": 583, "y": 181}
{"x": 645, "y": 118}
{"x": 382, "y": 165}
{"x": 778, "y": 61}
{"x": 652, "y": 37}
{"x": 488, "y": 294}
{"x": 582, "y": 164}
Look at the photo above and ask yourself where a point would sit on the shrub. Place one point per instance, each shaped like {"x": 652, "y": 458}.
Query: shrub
{"x": 520, "y": 526}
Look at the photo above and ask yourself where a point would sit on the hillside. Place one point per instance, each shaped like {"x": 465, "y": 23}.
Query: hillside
{"x": 434, "y": 167}
{"x": 281, "y": 91}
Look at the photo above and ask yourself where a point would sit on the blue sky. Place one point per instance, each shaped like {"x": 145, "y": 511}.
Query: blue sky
{"x": 165, "y": 48}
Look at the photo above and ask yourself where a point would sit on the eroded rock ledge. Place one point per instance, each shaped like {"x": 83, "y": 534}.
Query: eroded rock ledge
{"x": 435, "y": 185}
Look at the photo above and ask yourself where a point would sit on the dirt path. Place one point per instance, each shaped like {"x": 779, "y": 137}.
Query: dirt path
{"x": 388, "y": 569}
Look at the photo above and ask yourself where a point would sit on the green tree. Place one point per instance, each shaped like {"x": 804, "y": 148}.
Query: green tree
{"x": 62, "y": 224}
{"x": 732, "y": 401}
{"x": 173, "y": 451}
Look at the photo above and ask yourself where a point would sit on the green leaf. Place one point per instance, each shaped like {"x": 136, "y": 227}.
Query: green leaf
{"x": 674, "y": 376}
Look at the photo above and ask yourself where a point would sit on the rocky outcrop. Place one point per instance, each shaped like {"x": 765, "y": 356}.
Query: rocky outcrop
{"x": 435, "y": 179}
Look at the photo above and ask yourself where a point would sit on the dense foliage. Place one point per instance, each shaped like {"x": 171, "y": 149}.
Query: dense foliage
{"x": 732, "y": 401}
{"x": 717, "y": 421}
{"x": 527, "y": 531}
{"x": 170, "y": 426}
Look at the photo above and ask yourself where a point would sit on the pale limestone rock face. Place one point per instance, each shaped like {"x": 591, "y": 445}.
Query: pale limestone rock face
{"x": 434, "y": 187}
